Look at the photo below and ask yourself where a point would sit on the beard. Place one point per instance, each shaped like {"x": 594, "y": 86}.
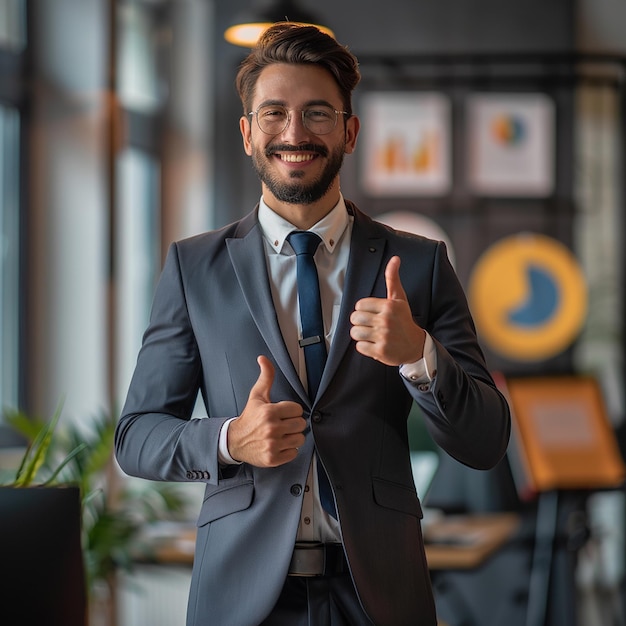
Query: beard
{"x": 294, "y": 191}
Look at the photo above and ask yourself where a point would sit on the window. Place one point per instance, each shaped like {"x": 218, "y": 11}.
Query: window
{"x": 13, "y": 24}
{"x": 9, "y": 256}
{"x": 138, "y": 254}
{"x": 12, "y": 43}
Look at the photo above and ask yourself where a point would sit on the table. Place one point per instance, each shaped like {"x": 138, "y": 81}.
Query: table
{"x": 452, "y": 542}
{"x": 466, "y": 541}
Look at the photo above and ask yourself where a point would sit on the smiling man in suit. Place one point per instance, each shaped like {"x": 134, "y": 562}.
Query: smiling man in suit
{"x": 308, "y": 373}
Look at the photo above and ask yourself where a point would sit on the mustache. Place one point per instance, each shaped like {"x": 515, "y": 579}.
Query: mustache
{"x": 307, "y": 147}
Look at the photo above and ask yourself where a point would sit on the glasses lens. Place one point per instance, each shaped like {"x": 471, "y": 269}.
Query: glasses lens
{"x": 272, "y": 119}
{"x": 320, "y": 120}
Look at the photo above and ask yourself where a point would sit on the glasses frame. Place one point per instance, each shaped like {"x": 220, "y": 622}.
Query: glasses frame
{"x": 288, "y": 121}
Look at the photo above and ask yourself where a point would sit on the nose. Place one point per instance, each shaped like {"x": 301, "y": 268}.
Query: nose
{"x": 295, "y": 131}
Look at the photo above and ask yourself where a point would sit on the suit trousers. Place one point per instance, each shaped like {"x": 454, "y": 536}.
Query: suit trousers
{"x": 318, "y": 601}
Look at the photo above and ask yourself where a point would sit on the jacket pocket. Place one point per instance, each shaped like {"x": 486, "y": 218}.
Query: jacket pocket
{"x": 226, "y": 500}
{"x": 398, "y": 497}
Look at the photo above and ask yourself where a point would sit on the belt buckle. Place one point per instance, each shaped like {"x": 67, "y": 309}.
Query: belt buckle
{"x": 308, "y": 560}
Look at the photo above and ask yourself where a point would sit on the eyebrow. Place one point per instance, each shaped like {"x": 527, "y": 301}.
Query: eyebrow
{"x": 310, "y": 103}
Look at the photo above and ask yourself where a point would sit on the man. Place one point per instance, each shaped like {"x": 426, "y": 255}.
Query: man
{"x": 270, "y": 549}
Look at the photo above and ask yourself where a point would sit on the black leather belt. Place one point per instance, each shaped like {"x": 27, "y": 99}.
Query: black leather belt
{"x": 318, "y": 559}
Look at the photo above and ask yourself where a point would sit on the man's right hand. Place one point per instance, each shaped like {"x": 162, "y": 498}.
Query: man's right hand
{"x": 266, "y": 434}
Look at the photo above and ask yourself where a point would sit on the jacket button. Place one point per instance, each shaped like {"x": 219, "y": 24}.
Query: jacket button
{"x": 424, "y": 387}
{"x": 442, "y": 400}
{"x": 316, "y": 417}
{"x": 296, "y": 490}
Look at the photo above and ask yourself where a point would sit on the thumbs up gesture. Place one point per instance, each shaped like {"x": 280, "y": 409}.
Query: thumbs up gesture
{"x": 383, "y": 328}
{"x": 266, "y": 434}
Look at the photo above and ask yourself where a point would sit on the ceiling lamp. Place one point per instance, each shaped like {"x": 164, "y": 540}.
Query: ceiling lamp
{"x": 248, "y": 29}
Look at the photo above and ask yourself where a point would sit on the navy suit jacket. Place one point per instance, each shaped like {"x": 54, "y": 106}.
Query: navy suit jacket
{"x": 212, "y": 316}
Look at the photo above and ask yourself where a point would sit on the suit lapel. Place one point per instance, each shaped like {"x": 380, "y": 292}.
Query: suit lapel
{"x": 248, "y": 258}
{"x": 364, "y": 266}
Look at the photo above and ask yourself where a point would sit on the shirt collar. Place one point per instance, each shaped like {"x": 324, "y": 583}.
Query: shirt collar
{"x": 330, "y": 228}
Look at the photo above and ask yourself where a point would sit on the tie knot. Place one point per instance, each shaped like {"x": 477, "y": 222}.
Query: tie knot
{"x": 304, "y": 241}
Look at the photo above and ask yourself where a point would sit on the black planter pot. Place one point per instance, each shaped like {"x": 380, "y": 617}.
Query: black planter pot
{"x": 41, "y": 561}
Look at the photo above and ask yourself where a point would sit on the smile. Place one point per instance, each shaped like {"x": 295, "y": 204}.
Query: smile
{"x": 296, "y": 157}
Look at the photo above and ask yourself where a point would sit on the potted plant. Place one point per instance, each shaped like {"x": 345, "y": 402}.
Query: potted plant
{"x": 113, "y": 512}
{"x": 40, "y": 532}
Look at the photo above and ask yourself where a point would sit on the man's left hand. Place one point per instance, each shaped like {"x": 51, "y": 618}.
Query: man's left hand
{"x": 383, "y": 328}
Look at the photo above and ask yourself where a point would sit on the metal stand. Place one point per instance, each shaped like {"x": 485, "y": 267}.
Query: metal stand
{"x": 545, "y": 534}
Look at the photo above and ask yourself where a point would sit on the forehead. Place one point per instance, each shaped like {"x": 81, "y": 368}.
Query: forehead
{"x": 295, "y": 85}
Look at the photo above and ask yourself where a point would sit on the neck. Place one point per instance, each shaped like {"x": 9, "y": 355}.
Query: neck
{"x": 302, "y": 216}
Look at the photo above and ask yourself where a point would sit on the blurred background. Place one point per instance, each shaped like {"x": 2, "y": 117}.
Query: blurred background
{"x": 119, "y": 134}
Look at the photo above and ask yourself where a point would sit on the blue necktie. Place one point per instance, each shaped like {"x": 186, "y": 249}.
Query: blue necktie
{"x": 313, "y": 340}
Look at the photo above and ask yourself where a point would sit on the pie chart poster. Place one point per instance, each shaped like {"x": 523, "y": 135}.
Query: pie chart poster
{"x": 529, "y": 300}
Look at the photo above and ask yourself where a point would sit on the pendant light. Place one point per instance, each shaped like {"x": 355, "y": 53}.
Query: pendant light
{"x": 247, "y": 30}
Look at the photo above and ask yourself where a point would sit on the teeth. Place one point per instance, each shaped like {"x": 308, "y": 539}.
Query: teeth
{"x": 297, "y": 158}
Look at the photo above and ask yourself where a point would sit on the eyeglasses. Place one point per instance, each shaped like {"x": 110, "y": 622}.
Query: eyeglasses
{"x": 273, "y": 119}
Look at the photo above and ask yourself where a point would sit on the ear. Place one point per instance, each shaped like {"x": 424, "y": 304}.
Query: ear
{"x": 246, "y": 132}
{"x": 353, "y": 126}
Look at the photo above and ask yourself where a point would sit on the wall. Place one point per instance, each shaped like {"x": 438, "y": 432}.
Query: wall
{"x": 600, "y": 26}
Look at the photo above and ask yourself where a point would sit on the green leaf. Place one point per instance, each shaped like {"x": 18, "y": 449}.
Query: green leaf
{"x": 74, "y": 453}
{"x": 27, "y": 426}
{"x": 36, "y": 453}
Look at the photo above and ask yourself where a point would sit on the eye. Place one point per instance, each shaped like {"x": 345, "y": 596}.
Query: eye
{"x": 272, "y": 113}
{"x": 319, "y": 114}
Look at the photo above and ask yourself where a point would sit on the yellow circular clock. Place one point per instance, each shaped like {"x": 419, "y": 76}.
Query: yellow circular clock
{"x": 528, "y": 296}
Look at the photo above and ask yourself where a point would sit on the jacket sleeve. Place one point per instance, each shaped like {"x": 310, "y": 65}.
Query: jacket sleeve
{"x": 465, "y": 413}
{"x": 156, "y": 438}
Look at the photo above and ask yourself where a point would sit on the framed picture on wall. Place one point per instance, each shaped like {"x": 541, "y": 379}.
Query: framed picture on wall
{"x": 407, "y": 143}
{"x": 511, "y": 144}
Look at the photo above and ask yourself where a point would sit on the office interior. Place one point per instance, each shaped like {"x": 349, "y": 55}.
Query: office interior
{"x": 119, "y": 134}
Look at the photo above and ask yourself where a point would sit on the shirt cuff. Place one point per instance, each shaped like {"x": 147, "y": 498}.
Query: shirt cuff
{"x": 425, "y": 369}
{"x": 222, "y": 450}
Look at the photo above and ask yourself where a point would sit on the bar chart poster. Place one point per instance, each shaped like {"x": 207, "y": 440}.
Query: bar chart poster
{"x": 407, "y": 143}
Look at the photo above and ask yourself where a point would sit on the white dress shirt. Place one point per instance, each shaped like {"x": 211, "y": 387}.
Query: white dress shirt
{"x": 331, "y": 259}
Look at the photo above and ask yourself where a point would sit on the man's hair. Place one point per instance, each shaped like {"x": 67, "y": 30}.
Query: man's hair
{"x": 296, "y": 44}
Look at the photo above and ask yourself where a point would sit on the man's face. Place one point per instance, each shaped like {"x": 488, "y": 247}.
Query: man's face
{"x": 297, "y": 165}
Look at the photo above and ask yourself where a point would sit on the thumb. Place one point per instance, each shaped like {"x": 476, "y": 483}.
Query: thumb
{"x": 395, "y": 290}
{"x": 263, "y": 385}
